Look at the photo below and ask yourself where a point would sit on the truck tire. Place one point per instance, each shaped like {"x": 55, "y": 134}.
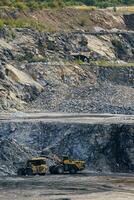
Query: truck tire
{"x": 52, "y": 169}
{"x": 29, "y": 171}
{"x": 21, "y": 172}
{"x": 59, "y": 170}
{"x": 72, "y": 170}
{"x": 42, "y": 174}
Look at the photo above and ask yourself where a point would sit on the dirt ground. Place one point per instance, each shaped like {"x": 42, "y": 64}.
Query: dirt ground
{"x": 84, "y": 186}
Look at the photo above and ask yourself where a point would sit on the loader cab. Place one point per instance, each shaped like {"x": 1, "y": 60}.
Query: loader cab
{"x": 65, "y": 158}
{"x": 67, "y": 165}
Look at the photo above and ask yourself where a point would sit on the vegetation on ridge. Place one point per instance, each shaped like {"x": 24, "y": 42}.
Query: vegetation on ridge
{"x": 34, "y": 4}
{"x": 13, "y": 12}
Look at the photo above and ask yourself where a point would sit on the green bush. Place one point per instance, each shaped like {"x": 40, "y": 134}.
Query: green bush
{"x": 38, "y": 59}
{"x": 33, "y": 5}
{"x": 79, "y": 62}
{"x": 21, "y": 5}
{"x": 103, "y": 4}
{"x": 56, "y": 4}
{"x": 39, "y": 4}
{"x": 1, "y": 23}
{"x": 83, "y": 22}
{"x": 23, "y": 23}
{"x": 5, "y": 2}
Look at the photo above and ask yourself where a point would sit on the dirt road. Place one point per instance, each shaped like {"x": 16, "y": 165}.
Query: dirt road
{"x": 84, "y": 118}
{"x": 84, "y": 186}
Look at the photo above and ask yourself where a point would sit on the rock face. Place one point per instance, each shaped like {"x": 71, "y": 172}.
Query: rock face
{"x": 11, "y": 155}
{"x": 103, "y": 147}
{"x": 67, "y": 19}
{"x": 129, "y": 21}
{"x": 50, "y": 71}
{"x": 67, "y": 72}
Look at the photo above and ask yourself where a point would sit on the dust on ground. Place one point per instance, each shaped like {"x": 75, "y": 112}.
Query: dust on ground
{"x": 68, "y": 187}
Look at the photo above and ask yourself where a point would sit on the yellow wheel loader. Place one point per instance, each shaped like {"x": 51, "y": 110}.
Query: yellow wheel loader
{"x": 66, "y": 165}
{"x": 34, "y": 166}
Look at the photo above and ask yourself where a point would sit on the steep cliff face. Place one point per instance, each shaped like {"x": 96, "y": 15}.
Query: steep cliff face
{"x": 73, "y": 71}
{"x": 58, "y": 72}
{"x": 11, "y": 154}
{"x": 104, "y": 147}
{"x": 129, "y": 21}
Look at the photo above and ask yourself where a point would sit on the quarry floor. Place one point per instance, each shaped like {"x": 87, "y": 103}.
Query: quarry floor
{"x": 82, "y": 186}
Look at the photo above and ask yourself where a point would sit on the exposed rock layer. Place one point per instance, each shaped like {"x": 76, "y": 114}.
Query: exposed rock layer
{"x": 104, "y": 147}
{"x": 49, "y": 71}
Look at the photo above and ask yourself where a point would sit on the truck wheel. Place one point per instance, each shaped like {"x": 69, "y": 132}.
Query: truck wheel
{"x": 52, "y": 169}
{"x": 42, "y": 174}
{"x": 21, "y": 172}
{"x": 72, "y": 170}
{"x": 29, "y": 171}
{"x": 59, "y": 170}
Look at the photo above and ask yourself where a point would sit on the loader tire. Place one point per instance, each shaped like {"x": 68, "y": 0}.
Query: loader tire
{"x": 73, "y": 170}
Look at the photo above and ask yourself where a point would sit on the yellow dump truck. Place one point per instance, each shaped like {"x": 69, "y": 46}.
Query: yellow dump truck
{"x": 34, "y": 166}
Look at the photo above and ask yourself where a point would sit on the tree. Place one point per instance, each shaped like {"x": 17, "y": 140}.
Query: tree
{"x": 90, "y": 2}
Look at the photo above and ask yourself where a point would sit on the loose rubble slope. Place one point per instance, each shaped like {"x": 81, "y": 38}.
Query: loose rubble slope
{"x": 85, "y": 68}
{"x": 43, "y": 71}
